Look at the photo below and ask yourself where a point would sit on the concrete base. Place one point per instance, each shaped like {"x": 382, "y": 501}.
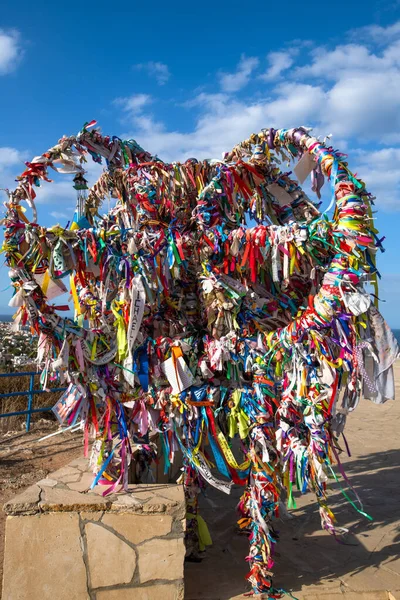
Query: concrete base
{"x": 66, "y": 543}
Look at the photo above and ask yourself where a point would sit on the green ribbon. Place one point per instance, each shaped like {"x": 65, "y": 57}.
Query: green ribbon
{"x": 361, "y": 512}
{"x": 291, "y": 501}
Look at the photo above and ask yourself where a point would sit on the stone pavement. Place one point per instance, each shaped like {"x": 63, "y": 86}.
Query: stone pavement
{"x": 75, "y": 544}
{"x": 310, "y": 563}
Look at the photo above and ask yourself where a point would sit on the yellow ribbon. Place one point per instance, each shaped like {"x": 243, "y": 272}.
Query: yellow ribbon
{"x": 203, "y": 532}
{"x": 74, "y": 295}
{"x": 237, "y": 419}
{"x": 231, "y": 460}
{"x": 122, "y": 342}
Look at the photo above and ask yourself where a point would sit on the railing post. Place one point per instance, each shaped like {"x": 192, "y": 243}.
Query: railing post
{"x": 30, "y": 401}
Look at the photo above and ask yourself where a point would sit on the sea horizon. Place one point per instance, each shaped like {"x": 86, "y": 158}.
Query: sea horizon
{"x": 6, "y": 318}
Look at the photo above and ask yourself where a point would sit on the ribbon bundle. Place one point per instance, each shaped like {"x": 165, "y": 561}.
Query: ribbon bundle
{"x": 192, "y": 325}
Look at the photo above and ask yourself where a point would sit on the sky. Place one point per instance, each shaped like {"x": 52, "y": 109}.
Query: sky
{"x": 193, "y": 79}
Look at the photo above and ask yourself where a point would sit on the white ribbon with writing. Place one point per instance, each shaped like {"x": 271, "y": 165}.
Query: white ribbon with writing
{"x": 138, "y": 298}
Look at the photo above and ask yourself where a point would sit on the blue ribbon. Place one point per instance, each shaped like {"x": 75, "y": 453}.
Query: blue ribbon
{"x": 103, "y": 467}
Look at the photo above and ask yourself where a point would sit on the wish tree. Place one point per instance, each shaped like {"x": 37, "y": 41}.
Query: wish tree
{"x": 216, "y": 310}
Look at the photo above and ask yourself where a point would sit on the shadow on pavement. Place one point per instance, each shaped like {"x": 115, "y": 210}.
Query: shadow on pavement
{"x": 306, "y": 555}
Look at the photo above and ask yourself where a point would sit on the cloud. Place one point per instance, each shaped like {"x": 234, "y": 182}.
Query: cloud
{"x": 349, "y": 90}
{"x": 278, "y": 62}
{"x": 366, "y": 106}
{"x": 61, "y": 215}
{"x": 223, "y": 121}
{"x": 10, "y": 157}
{"x": 378, "y": 34}
{"x": 158, "y": 70}
{"x": 380, "y": 169}
{"x": 57, "y": 193}
{"x": 232, "y": 82}
{"x": 361, "y": 90}
{"x": 331, "y": 64}
{"x": 11, "y": 165}
{"x": 212, "y": 101}
{"x": 10, "y": 51}
{"x": 133, "y": 104}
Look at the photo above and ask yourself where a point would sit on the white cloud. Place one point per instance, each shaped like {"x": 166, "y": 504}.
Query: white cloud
{"x": 232, "y": 82}
{"x": 295, "y": 104}
{"x": 365, "y": 105}
{"x": 378, "y": 34}
{"x": 57, "y": 193}
{"x": 158, "y": 70}
{"x": 61, "y": 215}
{"x": 134, "y": 104}
{"x": 380, "y": 169}
{"x": 10, "y": 51}
{"x": 278, "y": 62}
{"x": 11, "y": 165}
{"x": 360, "y": 87}
{"x": 331, "y": 64}
{"x": 214, "y": 102}
{"x": 223, "y": 121}
{"x": 10, "y": 157}
{"x": 350, "y": 90}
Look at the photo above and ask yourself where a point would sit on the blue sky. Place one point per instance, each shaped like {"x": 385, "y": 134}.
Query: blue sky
{"x": 192, "y": 79}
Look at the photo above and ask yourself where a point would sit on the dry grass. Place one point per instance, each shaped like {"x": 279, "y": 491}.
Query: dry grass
{"x": 16, "y": 403}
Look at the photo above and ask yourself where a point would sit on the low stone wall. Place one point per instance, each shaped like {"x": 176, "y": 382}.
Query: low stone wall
{"x": 65, "y": 543}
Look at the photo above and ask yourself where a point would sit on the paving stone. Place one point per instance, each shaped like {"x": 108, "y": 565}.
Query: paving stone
{"x": 70, "y": 478}
{"x": 64, "y": 472}
{"x": 83, "y": 484}
{"x": 111, "y": 561}
{"x": 392, "y": 564}
{"x": 372, "y": 578}
{"x": 173, "y": 492}
{"x": 126, "y": 500}
{"x": 155, "y": 505}
{"x": 138, "y": 528}
{"x": 80, "y": 463}
{"x": 55, "y": 500}
{"x": 91, "y": 516}
{"x": 165, "y": 591}
{"x": 26, "y": 502}
{"x": 43, "y": 558}
{"x": 168, "y": 490}
{"x": 47, "y": 482}
{"x": 161, "y": 559}
{"x": 118, "y": 507}
{"x": 150, "y": 500}
{"x": 100, "y": 489}
{"x": 141, "y": 496}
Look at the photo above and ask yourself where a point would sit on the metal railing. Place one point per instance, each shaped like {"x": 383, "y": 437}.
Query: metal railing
{"x": 30, "y": 393}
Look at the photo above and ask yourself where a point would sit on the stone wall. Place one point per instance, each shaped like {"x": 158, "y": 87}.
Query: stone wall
{"x": 66, "y": 543}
